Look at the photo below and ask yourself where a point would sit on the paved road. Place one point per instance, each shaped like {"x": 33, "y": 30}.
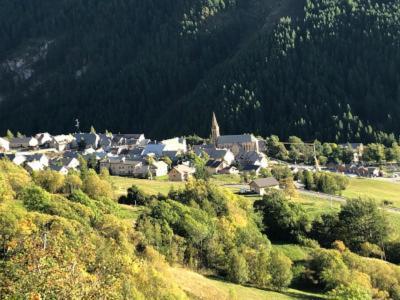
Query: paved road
{"x": 324, "y": 196}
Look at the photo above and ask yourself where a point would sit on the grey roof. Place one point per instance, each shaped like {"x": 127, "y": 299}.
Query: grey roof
{"x": 213, "y": 163}
{"x": 129, "y": 135}
{"x": 249, "y": 168}
{"x": 265, "y": 182}
{"x": 56, "y": 168}
{"x": 91, "y": 139}
{"x": 232, "y": 139}
{"x": 251, "y": 156}
{"x": 20, "y": 140}
{"x": 36, "y": 156}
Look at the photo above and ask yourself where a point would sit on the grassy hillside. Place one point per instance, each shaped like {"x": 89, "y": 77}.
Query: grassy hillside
{"x": 151, "y": 187}
{"x": 376, "y": 189}
{"x": 209, "y": 288}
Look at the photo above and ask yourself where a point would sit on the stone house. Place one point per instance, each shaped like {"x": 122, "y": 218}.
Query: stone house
{"x": 215, "y": 166}
{"x": 181, "y": 173}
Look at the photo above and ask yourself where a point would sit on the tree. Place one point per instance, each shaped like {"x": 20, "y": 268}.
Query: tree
{"x": 135, "y": 196}
{"x": 51, "y": 181}
{"x": 237, "y": 268}
{"x": 276, "y": 149}
{"x": 281, "y": 172}
{"x": 374, "y": 152}
{"x": 283, "y": 220}
{"x": 351, "y": 292}
{"x": 289, "y": 187}
{"x": 330, "y": 269}
{"x": 308, "y": 180}
{"x": 72, "y": 182}
{"x": 96, "y": 187}
{"x": 280, "y": 268}
{"x": 35, "y": 198}
{"x": 360, "y": 221}
{"x": 9, "y": 135}
{"x": 167, "y": 160}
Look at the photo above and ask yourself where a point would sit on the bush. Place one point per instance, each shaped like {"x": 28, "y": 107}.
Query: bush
{"x": 51, "y": 181}
{"x": 237, "y": 268}
{"x": 35, "y": 198}
{"x": 135, "y": 196}
{"x": 352, "y": 292}
{"x": 280, "y": 268}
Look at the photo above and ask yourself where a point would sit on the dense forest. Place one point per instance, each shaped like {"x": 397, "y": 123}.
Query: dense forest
{"x": 317, "y": 69}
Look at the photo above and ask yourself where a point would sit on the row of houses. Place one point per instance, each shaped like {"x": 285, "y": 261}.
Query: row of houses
{"x": 359, "y": 170}
{"x": 136, "y": 156}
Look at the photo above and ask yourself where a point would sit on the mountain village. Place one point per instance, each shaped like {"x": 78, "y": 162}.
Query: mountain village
{"x": 134, "y": 155}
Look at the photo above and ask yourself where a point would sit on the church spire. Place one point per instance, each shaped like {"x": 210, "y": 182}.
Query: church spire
{"x": 214, "y": 130}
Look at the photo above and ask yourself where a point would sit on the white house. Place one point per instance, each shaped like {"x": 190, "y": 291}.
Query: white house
{"x": 4, "y": 145}
{"x": 34, "y": 166}
{"x": 225, "y": 155}
{"x": 61, "y": 142}
{"x": 44, "y": 139}
{"x": 41, "y": 158}
{"x": 261, "y": 185}
{"x": 253, "y": 158}
{"x": 175, "y": 144}
{"x": 60, "y": 169}
{"x": 17, "y": 159}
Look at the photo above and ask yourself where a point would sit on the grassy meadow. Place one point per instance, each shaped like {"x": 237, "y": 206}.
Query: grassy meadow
{"x": 151, "y": 187}
{"x": 375, "y": 189}
{"x": 210, "y": 288}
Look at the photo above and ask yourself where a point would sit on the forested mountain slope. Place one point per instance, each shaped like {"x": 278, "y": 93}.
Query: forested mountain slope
{"x": 330, "y": 70}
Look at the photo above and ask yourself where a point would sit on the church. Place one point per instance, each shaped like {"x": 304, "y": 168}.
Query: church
{"x": 238, "y": 144}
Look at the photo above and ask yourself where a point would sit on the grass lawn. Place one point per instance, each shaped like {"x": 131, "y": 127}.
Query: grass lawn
{"x": 201, "y": 287}
{"x": 129, "y": 213}
{"x": 151, "y": 187}
{"x": 316, "y": 206}
{"x": 375, "y": 189}
{"x": 221, "y": 179}
{"x": 293, "y": 251}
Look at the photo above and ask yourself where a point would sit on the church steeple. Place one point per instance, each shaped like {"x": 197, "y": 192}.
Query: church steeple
{"x": 214, "y": 130}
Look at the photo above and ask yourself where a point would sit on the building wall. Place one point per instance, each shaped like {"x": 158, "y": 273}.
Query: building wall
{"x": 175, "y": 176}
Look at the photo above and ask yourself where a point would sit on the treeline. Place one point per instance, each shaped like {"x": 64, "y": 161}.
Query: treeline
{"x": 300, "y": 152}
{"x": 329, "y": 71}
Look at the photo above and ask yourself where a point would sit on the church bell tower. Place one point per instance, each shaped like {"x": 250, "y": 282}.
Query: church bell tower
{"x": 214, "y": 130}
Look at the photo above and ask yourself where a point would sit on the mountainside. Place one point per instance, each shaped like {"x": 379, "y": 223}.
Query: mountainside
{"x": 322, "y": 69}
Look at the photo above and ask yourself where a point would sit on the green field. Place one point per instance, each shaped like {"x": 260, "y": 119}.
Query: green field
{"x": 209, "y": 288}
{"x": 151, "y": 187}
{"x": 375, "y": 189}
{"x": 293, "y": 251}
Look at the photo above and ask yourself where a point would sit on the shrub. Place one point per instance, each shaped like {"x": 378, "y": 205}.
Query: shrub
{"x": 51, "y": 181}
{"x": 280, "y": 268}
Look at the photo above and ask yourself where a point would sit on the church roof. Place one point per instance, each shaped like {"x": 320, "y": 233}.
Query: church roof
{"x": 233, "y": 139}
{"x": 214, "y": 121}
